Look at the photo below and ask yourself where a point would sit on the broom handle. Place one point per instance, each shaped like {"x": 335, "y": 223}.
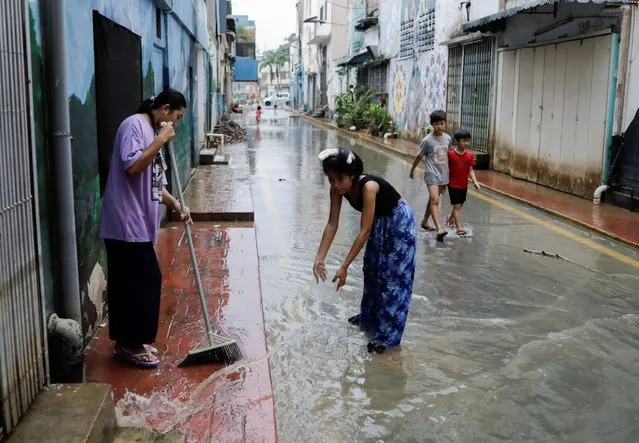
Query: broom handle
{"x": 189, "y": 238}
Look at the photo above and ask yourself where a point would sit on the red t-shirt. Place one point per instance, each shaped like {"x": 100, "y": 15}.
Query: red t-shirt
{"x": 459, "y": 167}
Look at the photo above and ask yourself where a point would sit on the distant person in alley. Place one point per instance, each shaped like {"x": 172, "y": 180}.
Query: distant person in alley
{"x": 434, "y": 149}
{"x": 460, "y": 164}
{"x": 387, "y": 228}
{"x": 258, "y": 114}
{"x": 130, "y": 223}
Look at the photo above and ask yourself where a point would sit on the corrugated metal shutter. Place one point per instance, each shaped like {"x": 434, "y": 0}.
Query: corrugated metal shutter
{"x": 22, "y": 339}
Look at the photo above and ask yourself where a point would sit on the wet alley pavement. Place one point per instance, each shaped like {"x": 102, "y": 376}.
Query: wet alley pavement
{"x": 208, "y": 402}
{"x": 608, "y": 220}
{"x": 501, "y": 345}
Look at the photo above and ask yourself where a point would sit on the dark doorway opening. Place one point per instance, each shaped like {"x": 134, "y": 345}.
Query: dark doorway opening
{"x": 191, "y": 102}
{"x": 118, "y": 83}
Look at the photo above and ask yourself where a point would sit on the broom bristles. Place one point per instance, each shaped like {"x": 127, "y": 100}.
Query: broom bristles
{"x": 227, "y": 353}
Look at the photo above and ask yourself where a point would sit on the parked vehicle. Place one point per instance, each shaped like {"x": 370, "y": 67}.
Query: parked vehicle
{"x": 279, "y": 99}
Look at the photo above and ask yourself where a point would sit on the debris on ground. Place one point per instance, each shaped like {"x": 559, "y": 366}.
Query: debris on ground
{"x": 561, "y": 257}
{"x": 233, "y": 132}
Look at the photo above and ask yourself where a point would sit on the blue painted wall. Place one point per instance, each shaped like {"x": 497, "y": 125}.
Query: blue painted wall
{"x": 184, "y": 32}
{"x": 245, "y": 69}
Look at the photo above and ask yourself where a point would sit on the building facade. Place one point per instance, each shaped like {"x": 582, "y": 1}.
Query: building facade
{"x": 245, "y": 78}
{"x": 322, "y": 35}
{"x": 81, "y": 67}
{"x": 544, "y": 86}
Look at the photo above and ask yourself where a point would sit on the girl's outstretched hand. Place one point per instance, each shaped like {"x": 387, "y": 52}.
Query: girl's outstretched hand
{"x": 319, "y": 271}
{"x": 340, "y": 277}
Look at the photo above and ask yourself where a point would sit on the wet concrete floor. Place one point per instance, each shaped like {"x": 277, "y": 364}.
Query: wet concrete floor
{"x": 501, "y": 345}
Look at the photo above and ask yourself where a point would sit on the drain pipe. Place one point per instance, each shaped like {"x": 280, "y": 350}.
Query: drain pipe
{"x": 616, "y": 101}
{"x": 65, "y": 336}
{"x": 59, "y": 129}
{"x": 610, "y": 121}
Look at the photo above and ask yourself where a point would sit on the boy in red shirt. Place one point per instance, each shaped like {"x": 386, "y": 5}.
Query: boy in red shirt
{"x": 460, "y": 165}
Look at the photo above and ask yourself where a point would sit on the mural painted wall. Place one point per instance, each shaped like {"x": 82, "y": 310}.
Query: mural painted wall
{"x": 246, "y": 92}
{"x": 41, "y": 155}
{"x": 177, "y": 49}
{"x": 421, "y": 71}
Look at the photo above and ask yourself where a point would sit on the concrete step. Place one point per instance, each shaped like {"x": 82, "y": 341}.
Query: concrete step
{"x": 207, "y": 156}
{"x": 69, "y": 413}
{"x": 482, "y": 160}
{"x": 130, "y": 435}
{"x": 624, "y": 199}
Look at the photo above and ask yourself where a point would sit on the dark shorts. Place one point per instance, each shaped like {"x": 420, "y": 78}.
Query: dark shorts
{"x": 457, "y": 195}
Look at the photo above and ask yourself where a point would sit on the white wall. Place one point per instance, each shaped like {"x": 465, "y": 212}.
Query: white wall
{"x": 480, "y": 9}
{"x": 339, "y": 29}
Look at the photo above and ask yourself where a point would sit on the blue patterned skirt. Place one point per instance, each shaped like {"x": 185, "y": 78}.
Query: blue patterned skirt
{"x": 389, "y": 270}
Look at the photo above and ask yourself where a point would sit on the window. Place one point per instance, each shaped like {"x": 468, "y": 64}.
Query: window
{"x": 321, "y": 15}
{"x": 426, "y": 31}
{"x": 158, "y": 23}
{"x": 406, "y": 47}
{"x": 375, "y": 78}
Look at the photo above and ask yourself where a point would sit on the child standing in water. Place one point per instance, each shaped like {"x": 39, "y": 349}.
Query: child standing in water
{"x": 258, "y": 114}
{"x": 434, "y": 148}
{"x": 460, "y": 163}
{"x": 388, "y": 229}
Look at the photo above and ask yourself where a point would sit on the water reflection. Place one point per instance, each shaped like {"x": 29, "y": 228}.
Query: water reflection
{"x": 500, "y": 345}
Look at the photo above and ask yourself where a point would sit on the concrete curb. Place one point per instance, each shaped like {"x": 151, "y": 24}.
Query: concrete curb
{"x": 564, "y": 217}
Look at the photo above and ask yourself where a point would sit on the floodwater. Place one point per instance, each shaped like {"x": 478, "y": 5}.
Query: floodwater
{"x": 501, "y": 345}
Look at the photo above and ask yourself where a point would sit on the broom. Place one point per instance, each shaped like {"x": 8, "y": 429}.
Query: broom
{"x": 215, "y": 349}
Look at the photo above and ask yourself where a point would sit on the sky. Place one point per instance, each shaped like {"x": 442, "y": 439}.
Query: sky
{"x": 274, "y": 20}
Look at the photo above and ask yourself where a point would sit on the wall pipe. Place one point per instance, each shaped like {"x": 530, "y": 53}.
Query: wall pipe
{"x": 611, "y": 109}
{"x": 59, "y": 130}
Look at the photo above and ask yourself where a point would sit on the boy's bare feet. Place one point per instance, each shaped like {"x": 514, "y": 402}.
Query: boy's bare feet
{"x": 449, "y": 220}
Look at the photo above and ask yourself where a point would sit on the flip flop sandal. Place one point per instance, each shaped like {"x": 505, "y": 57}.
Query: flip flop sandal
{"x": 441, "y": 235}
{"x": 462, "y": 233}
{"x": 355, "y": 320}
{"x": 151, "y": 349}
{"x": 378, "y": 349}
{"x": 428, "y": 227}
{"x": 136, "y": 359}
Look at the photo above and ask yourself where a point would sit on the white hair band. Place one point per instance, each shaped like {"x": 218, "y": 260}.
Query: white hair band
{"x": 326, "y": 153}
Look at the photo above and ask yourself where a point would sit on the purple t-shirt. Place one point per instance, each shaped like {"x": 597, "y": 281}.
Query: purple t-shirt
{"x": 129, "y": 211}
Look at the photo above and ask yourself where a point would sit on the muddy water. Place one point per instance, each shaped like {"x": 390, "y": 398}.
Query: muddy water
{"x": 500, "y": 345}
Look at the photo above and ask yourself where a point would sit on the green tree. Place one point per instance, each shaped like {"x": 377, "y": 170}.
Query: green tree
{"x": 276, "y": 59}
{"x": 269, "y": 59}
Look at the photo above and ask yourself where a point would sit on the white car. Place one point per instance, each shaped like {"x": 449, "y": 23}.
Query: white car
{"x": 279, "y": 99}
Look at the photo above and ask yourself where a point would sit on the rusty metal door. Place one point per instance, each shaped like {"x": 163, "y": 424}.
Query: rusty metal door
{"x": 22, "y": 334}
{"x": 469, "y": 91}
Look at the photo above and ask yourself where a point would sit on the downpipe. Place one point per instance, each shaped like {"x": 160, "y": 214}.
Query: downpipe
{"x": 596, "y": 199}
{"x": 65, "y": 330}
{"x": 616, "y": 100}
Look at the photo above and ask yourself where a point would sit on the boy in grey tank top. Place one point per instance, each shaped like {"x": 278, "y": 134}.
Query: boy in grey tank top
{"x": 434, "y": 149}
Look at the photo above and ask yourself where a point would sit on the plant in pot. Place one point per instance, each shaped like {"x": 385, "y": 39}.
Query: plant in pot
{"x": 379, "y": 119}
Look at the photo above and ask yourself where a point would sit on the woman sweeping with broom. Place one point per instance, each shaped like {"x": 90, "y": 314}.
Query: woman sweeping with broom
{"x": 388, "y": 229}
{"x": 130, "y": 223}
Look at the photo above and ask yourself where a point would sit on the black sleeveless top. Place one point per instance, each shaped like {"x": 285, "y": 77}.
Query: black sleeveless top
{"x": 385, "y": 201}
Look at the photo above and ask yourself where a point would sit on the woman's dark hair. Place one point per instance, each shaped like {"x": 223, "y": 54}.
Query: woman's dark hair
{"x": 437, "y": 116}
{"x": 339, "y": 163}
{"x": 462, "y": 133}
{"x": 259, "y": 108}
{"x": 170, "y": 97}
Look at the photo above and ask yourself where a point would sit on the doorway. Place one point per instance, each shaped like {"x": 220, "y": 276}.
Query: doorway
{"x": 118, "y": 83}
